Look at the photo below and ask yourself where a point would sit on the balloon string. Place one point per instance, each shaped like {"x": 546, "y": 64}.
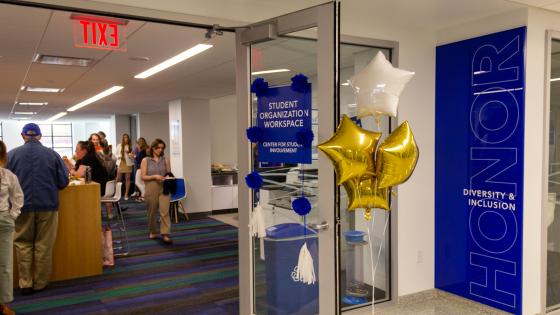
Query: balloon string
{"x": 383, "y": 235}
{"x": 372, "y": 267}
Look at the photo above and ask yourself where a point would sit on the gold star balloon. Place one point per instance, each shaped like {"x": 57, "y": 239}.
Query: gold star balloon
{"x": 396, "y": 157}
{"x": 351, "y": 150}
{"x": 363, "y": 193}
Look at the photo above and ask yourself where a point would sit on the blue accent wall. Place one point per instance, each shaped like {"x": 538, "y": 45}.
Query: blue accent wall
{"x": 480, "y": 102}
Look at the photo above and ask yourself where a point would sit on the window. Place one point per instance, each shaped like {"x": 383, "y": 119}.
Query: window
{"x": 58, "y": 137}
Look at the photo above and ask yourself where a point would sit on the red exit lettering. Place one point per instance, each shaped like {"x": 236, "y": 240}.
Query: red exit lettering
{"x": 99, "y": 33}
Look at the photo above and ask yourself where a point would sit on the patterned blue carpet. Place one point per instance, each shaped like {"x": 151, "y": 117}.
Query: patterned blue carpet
{"x": 198, "y": 274}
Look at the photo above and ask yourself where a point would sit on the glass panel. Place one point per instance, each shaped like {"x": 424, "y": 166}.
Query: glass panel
{"x": 46, "y": 130}
{"x": 360, "y": 251}
{"x": 65, "y": 142}
{"x": 62, "y": 129}
{"x": 553, "y": 220}
{"x": 276, "y": 291}
{"x": 46, "y": 140}
{"x": 68, "y": 152}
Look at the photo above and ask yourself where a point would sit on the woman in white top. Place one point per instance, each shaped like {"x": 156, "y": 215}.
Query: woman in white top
{"x": 125, "y": 162}
{"x": 11, "y": 201}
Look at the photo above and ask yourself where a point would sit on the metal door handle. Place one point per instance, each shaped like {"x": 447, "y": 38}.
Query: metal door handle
{"x": 319, "y": 226}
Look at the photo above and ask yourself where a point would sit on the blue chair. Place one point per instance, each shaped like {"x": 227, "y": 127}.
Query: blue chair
{"x": 177, "y": 199}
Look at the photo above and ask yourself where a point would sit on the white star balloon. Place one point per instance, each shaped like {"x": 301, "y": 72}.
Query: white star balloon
{"x": 378, "y": 87}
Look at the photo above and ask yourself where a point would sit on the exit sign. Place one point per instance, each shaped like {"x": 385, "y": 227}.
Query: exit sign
{"x": 99, "y": 32}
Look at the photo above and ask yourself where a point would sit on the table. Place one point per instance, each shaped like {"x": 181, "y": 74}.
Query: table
{"x": 77, "y": 252}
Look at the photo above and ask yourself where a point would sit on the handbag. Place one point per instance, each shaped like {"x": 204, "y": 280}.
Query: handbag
{"x": 169, "y": 186}
{"x": 107, "y": 241}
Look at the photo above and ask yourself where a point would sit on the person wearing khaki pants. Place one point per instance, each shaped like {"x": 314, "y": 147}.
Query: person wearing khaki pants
{"x": 34, "y": 241}
{"x": 154, "y": 169}
{"x": 41, "y": 173}
{"x": 155, "y": 199}
{"x": 11, "y": 201}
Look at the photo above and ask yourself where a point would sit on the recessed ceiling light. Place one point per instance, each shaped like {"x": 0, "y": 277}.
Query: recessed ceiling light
{"x": 174, "y": 60}
{"x": 269, "y": 71}
{"x": 554, "y": 79}
{"x": 21, "y": 118}
{"x": 57, "y": 116}
{"x": 25, "y": 113}
{"x": 33, "y": 103}
{"x": 345, "y": 84}
{"x": 42, "y": 89}
{"x": 62, "y": 61}
{"x": 139, "y": 58}
{"x": 95, "y": 98}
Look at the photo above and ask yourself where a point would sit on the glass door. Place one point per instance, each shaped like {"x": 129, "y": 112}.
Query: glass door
{"x": 275, "y": 51}
{"x": 364, "y": 246}
{"x": 551, "y": 221}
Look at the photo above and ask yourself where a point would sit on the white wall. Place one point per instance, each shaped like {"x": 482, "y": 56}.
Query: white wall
{"x": 224, "y": 130}
{"x": 152, "y": 126}
{"x": 120, "y": 124}
{"x": 417, "y": 105}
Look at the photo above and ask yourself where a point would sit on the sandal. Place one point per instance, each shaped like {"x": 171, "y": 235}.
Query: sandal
{"x": 5, "y": 310}
{"x": 167, "y": 240}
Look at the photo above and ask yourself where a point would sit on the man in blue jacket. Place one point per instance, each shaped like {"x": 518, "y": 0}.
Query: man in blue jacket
{"x": 41, "y": 174}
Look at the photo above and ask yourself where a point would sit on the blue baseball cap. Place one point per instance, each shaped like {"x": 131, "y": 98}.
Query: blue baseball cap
{"x": 31, "y": 130}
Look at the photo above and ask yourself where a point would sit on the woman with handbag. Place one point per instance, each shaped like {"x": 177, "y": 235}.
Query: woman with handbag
{"x": 154, "y": 170}
{"x": 125, "y": 160}
{"x": 10, "y": 194}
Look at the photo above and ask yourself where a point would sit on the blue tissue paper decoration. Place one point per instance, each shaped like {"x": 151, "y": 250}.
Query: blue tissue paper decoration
{"x": 301, "y": 206}
{"x": 300, "y": 83}
{"x": 254, "y": 134}
{"x": 305, "y": 137}
{"x": 254, "y": 180}
{"x": 259, "y": 87}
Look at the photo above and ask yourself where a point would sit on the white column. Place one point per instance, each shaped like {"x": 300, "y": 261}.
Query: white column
{"x": 190, "y": 150}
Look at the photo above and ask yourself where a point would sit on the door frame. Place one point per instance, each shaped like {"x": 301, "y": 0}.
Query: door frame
{"x": 324, "y": 17}
{"x": 328, "y": 63}
{"x": 550, "y": 36}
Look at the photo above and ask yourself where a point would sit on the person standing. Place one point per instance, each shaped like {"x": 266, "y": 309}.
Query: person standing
{"x": 42, "y": 174}
{"x": 125, "y": 158}
{"x": 154, "y": 169}
{"x": 140, "y": 152}
{"x": 96, "y": 140}
{"x": 87, "y": 157}
{"x": 11, "y": 201}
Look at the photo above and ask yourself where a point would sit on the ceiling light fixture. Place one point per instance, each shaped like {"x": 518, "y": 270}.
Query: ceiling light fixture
{"x": 33, "y": 103}
{"x": 174, "y": 60}
{"x": 95, "y": 98}
{"x": 345, "y": 84}
{"x": 25, "y": 113}
{"x": 270, "y": 71}
{"x": 62, "y": 61}
{"x": 42, "y": 89}
{"x": 554, "y": 79}
{"x": 57, "y": 116}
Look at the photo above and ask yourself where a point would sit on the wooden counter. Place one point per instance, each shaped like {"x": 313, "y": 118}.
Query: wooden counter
{"x": 77, "y": 252}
